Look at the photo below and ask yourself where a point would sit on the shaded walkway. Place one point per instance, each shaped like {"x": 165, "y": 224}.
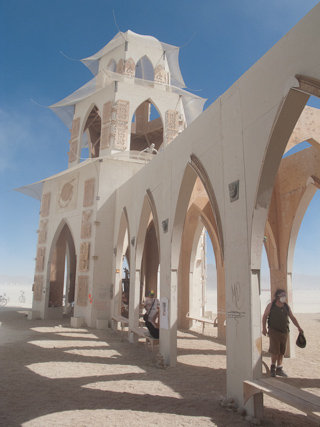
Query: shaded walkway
{"x": 55, "y": 375}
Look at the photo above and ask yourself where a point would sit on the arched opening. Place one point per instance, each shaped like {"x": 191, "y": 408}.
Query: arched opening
{"x": 112, "y": 66}
{"x": 121, "y": 297}
{"x": 148, "y": 252}
{"x": 306, "y": 256}
{"x": 279, "y": 204}
{"x": 146, "y": 129}
{"x": 211, "y": 302}
{"x": 149, "y": 263}
{"x": 144, "y": 69}
{"x": 92, "y": 131}
{"x": 198, "y": 221}
{"x": 192, "y": 273}
{"x": 62, "y": 274}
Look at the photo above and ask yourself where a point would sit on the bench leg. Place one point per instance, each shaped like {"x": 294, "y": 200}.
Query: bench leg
{"x": 257, "y": 398}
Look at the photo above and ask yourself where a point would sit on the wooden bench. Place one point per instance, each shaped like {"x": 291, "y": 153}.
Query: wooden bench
{"x": 150, "y": 341}
{"x": 286, "y": 393}
{"x": 141, "y": 332}
{"x": 124, "y": 322}
{"x": 203, "y": 320}
{"x": 138, "y": 331}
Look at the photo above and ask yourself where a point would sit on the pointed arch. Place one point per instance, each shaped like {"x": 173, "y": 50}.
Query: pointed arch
{"x": 62, "y": 261}
{"x": 193, "y": 170}
{"x": 112, "y": 65}
{"x": 313, "y": 184}
{"x": 147, "y": 127}
{"x": 122, "y": 250}
{"x": 194, "y": 205}
{"x": 284, "y": 123}
{"x": 148, "y": 246}
{"x": 144, "y": 69}
{"x": 92, "y": 130}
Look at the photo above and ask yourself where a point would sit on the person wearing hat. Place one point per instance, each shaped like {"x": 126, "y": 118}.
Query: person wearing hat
{"x": 151, "y": 306}
{"x": 278, "y": 313}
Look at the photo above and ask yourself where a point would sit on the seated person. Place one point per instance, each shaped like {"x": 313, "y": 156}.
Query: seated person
{"x": 152, "y": 308}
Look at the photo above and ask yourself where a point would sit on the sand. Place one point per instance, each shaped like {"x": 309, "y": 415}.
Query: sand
{"x": 55, "y": 375}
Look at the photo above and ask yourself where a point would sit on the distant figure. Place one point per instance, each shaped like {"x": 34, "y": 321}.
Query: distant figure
{"x": 150, "y": 149}
{"x": 277, "y": 313}
{"x": 152, "y": 308}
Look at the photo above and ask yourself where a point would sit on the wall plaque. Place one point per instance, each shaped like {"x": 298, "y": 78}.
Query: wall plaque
{"x": 130, "y": 67}
{"x": 160, "y": 75}
{"x": 122, "y": 111}
{"x": 45, "y": 204}
{"x": 120, "y": 139}
{"x": 67, "y": 193}
{"x": 172, "y": 120}
{"x": 75, "y": 128}
{"x": 106, "y": 115}
{"x": 38, "y": 288}
{"x": 42, "y": 236}
{"x": 82, "y": 293}
{"x": 84, "y": 256}
{"x": 119, "y": 69}
{"x": 40, "y": 258}
{"x": 86, "y": 224}
{"x": 88, "y": 195}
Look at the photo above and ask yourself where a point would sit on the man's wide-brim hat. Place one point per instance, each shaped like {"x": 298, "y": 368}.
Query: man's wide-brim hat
{"x": 301, "y": 341}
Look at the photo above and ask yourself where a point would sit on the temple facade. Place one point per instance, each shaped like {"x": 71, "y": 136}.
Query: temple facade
{"x": 159, "y": 172}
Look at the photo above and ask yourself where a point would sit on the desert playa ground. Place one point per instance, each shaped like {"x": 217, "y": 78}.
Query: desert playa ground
{"x": 54, "y": 375}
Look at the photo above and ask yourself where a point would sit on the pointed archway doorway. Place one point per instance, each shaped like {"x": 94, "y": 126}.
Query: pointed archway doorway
{"x": 61, "y": 296}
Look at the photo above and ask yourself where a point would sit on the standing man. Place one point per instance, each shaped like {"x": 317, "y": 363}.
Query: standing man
{"x": 277, "y": 313}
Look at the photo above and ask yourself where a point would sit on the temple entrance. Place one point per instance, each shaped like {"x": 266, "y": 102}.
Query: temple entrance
{"x": 62, "y": 275}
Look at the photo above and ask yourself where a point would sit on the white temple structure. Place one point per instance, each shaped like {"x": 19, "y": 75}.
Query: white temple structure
{"x": 151, "y": 185}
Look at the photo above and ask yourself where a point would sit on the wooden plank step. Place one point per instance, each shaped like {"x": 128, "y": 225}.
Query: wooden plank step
{"x": 299, "y": 399}
{"x": 302, "y": 394}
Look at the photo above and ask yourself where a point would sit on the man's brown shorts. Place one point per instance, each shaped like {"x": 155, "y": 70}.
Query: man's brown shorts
{"x": 278, "y": 342}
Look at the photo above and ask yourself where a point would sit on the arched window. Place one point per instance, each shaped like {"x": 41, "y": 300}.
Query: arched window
{"x": 147, "y": 128}
{"x": 144, "y": 69}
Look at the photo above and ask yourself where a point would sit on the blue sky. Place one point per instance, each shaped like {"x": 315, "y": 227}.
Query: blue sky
{"x": 219, "y": 41}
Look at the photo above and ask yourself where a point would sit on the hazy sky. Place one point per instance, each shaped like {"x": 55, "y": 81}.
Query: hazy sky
{"x": 219, "y": 40}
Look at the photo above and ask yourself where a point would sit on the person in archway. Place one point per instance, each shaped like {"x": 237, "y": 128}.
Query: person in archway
{"x": 278, "y": 313}
{"x": 152, "y": 309}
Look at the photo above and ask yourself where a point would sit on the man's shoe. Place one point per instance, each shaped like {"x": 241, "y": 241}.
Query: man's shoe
{"x": 273, "y": 370}
{"x": 280, "y": 372}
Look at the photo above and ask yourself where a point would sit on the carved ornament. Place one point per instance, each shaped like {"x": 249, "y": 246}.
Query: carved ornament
{"x": 88, "y": 192}
{"x": 42, "y": 236}
{"x": 84, "y": 256}
{"x": 120, "y": 140}
{"x": 75, "y": 128}
{"x": 45, "y": 204}
{"x": 86, "y": 224}
{"x": 172, "y": 120}
{"x": 41, "y": 252}
{"x": 130, "y": 67}
{"x": 160, "y": 75}
{"x": 38, "y": 288}
{"x": 122, "y": 111}
{"x": 120, "y": 67}
{"x": 106, "y": 115}
{"x": 82, "y": 292}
